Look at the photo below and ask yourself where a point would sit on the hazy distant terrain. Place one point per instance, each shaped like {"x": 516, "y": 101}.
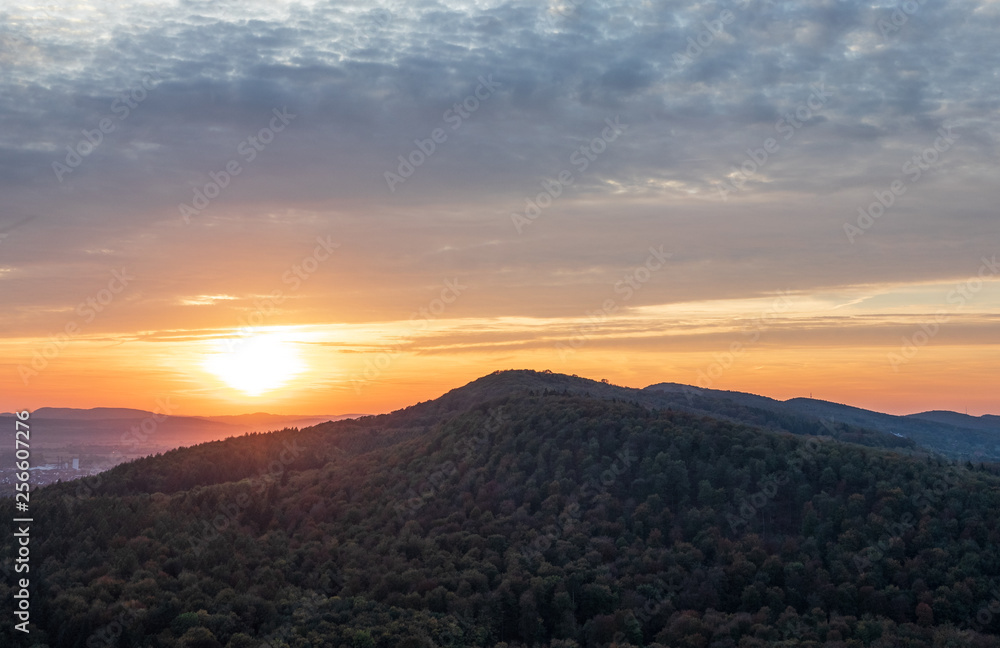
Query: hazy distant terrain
{"x": 954, "y": 435}
{"x": 132, "y": 427}
{"x": 103, "y": 437}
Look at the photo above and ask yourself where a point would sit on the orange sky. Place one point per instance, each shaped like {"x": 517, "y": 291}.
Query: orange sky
{"x": 354, "y": 207}
{"x": 350, "y": 368}
{"x": 312, "y": 324}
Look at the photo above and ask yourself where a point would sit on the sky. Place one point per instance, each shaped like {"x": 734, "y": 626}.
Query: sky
{"x": 321, "y": 207}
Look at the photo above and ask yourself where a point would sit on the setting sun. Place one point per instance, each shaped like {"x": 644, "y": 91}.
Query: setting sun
{"x": 255, "y": 364}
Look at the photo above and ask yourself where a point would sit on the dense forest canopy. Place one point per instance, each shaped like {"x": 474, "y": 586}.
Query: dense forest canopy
{"x": 513, "y": 515}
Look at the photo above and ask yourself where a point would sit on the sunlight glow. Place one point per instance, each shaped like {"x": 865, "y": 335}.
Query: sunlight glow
{"x": 255, "y": 364}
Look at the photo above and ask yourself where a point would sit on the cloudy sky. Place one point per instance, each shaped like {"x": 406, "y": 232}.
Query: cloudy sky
{"x": 377, "y": 202}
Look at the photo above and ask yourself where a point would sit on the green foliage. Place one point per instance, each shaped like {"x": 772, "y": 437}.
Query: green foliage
{"x": 566, "y": 520}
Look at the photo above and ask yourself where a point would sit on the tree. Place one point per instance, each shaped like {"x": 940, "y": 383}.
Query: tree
{"x": 925, "y": 615}
{"x": 199, "y": 637}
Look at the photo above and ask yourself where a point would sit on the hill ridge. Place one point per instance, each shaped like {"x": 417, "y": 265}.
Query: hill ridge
{"x": 533, "y": 517}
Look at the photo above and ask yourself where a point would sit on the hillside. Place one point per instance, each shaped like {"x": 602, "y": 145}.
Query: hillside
{"x": 954, "y": 435}
{"x": 523, "y": 509}
{"x": 736, "y": 407}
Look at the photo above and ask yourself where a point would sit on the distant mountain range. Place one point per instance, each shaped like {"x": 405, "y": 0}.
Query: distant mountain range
{"x": 119, "y": 426}
{"x": 954, "y": 435}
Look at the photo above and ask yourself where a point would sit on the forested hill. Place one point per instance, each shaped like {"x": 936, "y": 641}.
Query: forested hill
{"x": 240, "y": 457}
{"x": 519, "y": 517}
{"x": 754, "y": 410}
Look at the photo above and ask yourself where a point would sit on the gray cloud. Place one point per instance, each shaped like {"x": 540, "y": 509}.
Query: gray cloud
{"x": 365, "y": 82}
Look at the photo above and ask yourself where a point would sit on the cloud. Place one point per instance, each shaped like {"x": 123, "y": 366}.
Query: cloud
{"x": 368, "y": 82}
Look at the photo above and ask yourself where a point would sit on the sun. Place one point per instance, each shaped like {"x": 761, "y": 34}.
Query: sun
{"x": 255, "y": 364}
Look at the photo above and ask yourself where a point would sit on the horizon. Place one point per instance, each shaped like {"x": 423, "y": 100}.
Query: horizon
{"x": 434, "y": 397}
{"x": 303, "y": 206}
